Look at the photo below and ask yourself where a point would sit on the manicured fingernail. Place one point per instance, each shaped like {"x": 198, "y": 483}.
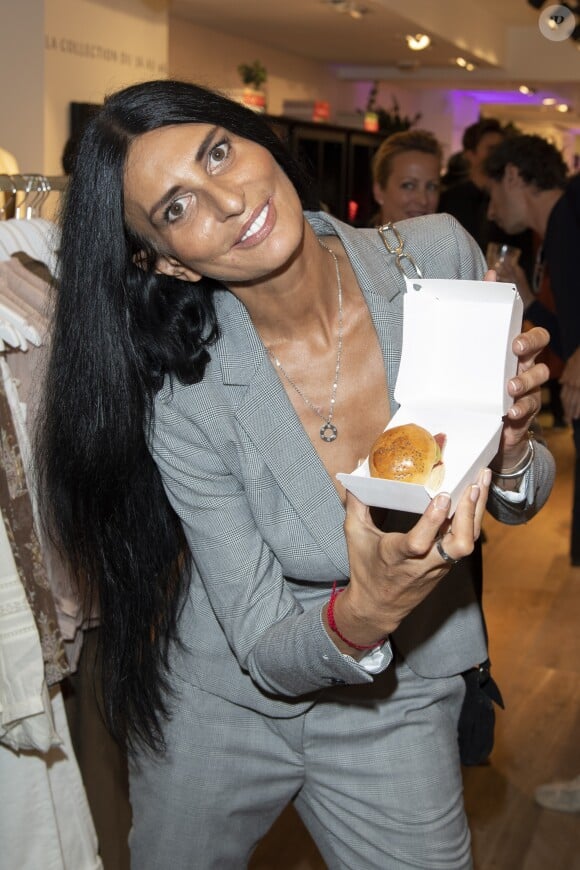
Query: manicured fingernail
{"x": 486, "y": 476}
{"x": 515, "y": 385}
{"x": 474, "y": 494}
{"x": 520, "y": 345}
{"x": 442, "y": 502}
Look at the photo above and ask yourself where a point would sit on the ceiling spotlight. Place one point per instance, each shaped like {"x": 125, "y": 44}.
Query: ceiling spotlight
{"x": 524, "y": 89}
{"x": 465, "y": 64}
{"x": 549, "y": 101}
{"x": 418, "y": 42}
{"x": 562, "y": 107}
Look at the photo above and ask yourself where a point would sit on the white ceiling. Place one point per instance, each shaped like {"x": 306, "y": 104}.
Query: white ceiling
{"x": 374, "y": 46}
{"x": 313, "y": 29}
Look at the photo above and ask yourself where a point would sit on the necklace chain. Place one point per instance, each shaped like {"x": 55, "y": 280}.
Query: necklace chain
{"x": 328, "y": 432}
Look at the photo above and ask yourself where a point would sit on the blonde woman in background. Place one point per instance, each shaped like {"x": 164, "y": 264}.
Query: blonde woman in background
{"x": 406, "y": 176}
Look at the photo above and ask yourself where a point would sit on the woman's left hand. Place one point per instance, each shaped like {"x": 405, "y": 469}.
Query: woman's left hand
{"x": 525, "y": 388}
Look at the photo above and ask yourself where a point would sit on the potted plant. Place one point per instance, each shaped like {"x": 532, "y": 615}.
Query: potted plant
{"x": 379, "y": 119}
{"x": 254, "y": 76}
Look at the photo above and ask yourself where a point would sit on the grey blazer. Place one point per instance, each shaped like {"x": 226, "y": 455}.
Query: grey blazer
{"x": 264, "y": 521}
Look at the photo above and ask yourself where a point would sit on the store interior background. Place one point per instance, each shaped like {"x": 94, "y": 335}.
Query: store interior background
{"x": 60, "y": 51}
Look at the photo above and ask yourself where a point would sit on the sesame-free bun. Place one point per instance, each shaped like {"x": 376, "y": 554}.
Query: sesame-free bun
{"x": 409, "y": 454}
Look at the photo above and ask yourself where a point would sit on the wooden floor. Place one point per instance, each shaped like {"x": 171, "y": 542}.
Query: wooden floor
{"x": 532, "y": 605}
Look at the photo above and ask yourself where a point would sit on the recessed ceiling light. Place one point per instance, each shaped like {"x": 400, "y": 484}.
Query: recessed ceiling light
{"x": 469, "y": 67}
{"x": 460, "y": 61}
{"x": 549, "y": 101}
{"x": 418, "y": 42}
{"x": 524, "y": 89}
{"x": 562, "y": 107}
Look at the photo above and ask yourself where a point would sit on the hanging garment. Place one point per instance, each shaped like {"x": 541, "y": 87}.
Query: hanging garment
{"x": 28, "y": 280}
{"x": 37, "y": 237}
{"x": 17, "y": 513}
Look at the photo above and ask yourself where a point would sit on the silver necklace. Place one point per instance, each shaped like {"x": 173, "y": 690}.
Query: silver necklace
{"x": 328, "y": 432}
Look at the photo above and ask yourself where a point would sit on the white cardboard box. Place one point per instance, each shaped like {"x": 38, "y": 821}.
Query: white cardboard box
{"x": 455, "y": 364}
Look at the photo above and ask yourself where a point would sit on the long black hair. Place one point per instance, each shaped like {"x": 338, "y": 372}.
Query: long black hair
{"x": 118, "y": 330}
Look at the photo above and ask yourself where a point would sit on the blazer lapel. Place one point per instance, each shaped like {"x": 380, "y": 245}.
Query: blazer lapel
{"x": 267, "y": 417}
{"x": 263, "y": 408}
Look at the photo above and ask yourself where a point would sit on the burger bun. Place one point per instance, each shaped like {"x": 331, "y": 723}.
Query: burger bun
{"x": 409, "y": 454}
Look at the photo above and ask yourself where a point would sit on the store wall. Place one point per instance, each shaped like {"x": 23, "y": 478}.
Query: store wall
{"x": 91, "y": 48}
{"x": 22, "y": 78}
{"x": 212, "y": 58}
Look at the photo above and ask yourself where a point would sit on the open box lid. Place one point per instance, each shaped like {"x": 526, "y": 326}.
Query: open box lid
{"x": 456, "y": 361}
{"x": 457, "y": 341}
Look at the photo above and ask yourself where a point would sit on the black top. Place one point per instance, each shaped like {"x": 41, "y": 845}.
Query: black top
{"x": 466, "y": 202}
{"x": 562, "y": 258}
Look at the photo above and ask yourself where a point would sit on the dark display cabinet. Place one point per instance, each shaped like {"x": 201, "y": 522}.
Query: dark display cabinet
{"x": 339, "y": 162}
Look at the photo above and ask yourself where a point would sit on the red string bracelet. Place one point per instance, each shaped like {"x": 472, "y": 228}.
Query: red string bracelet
{"x": 333, "y": 626}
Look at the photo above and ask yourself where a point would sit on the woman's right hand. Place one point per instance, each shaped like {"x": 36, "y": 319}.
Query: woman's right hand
{"x": 392, "y": 572}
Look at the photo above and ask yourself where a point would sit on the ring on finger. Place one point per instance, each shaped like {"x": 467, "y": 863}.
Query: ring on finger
{"x": 444, "y": 554}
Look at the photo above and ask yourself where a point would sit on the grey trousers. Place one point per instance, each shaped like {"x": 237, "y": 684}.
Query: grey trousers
{"x": 373, "y": 772}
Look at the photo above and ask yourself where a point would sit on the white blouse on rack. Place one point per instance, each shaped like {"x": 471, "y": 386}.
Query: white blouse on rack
{"x": 45, "y": 820}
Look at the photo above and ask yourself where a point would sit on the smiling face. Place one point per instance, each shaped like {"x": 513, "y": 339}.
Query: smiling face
{"x": 412, "y": 187}
{"x": 212, "y": 203}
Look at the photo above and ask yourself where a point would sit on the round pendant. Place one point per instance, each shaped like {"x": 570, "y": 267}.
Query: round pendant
{"x": 328, "y": 432}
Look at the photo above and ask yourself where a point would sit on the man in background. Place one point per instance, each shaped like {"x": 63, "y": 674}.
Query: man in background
{"x": 529, "y": 188}
{"x": 468, "y": 200}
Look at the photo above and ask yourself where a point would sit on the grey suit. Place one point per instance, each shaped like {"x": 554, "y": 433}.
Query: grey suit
{"x": 265, "y": 526}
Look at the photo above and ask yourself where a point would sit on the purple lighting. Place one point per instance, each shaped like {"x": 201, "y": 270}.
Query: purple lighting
{"x": 500, "y": 97}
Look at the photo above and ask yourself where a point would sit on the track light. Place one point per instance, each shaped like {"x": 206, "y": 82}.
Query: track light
{"x": 418, "y": 42}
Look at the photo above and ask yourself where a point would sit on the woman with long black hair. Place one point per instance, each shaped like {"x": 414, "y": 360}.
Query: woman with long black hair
{"x": 219, "y": 352}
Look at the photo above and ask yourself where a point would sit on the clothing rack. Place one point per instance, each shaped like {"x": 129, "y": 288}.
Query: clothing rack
{"x": 27, "y": 193}
{"x": 32, "y": 182}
